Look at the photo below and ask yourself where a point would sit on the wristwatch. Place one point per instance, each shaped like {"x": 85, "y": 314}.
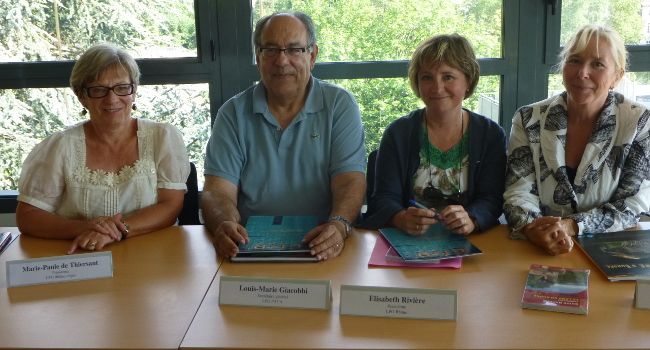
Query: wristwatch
{"x": 346, "y": 223}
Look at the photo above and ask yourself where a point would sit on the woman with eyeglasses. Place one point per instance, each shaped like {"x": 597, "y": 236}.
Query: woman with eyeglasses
{"x": 579, "y": 161}
{"x": 107, "y": 178}
{"x": 442, "y": 163}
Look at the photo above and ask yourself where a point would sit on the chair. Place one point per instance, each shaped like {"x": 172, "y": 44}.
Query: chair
{"x": 190, "y": 213}
{"x": 370, "y": 175}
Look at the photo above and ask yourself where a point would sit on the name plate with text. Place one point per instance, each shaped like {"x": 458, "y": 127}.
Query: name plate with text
{"x": 642, "y": 294}
{"x": 433, "y": 304}
{"x": 268, "y": 292}
{"x": 57, "y": 269}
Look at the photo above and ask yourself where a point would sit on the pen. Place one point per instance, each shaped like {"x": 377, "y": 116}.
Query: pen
{"x": 419, "y": 205}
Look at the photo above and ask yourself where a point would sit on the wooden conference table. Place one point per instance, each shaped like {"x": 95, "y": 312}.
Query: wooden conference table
{"x": 157, "y": 300}
{"x": 159, "y": 281}
{"x": 489, "y": 312}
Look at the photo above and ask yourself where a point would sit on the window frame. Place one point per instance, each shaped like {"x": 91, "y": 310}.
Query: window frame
{"x": 530, "y": 43}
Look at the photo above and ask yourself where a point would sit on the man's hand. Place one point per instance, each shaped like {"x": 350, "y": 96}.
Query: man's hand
{"x": 326, "y": 240}
{"x": 227, "y": 238}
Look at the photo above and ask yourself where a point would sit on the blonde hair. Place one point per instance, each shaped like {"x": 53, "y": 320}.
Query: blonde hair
{"x": 96, "y": 60}
{"x": 581, "y": 39}
{"x": 453, "y": 50}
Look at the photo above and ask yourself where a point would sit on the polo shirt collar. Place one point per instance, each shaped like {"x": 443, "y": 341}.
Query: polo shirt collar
{"x": 313, "y": 103}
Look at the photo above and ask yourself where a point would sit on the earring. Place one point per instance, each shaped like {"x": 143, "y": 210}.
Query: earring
{"x": 83, "y": 112}
{"x": 134, "y": 107}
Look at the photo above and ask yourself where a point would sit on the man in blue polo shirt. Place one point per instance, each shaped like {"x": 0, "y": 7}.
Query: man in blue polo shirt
{"x": 289, "y": 145}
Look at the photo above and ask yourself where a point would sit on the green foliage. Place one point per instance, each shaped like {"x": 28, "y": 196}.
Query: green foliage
{"x": 39, "y": 30}
{"x": 624, "y": 16}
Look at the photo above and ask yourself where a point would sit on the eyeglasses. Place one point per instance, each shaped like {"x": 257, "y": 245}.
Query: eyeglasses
{"x": 271, "y": 52}
{"x": 101, "y": 91}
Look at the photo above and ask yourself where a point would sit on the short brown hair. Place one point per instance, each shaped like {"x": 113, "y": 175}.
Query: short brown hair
{"x": 453, "y": 50}
{"x": 97, "y": 59}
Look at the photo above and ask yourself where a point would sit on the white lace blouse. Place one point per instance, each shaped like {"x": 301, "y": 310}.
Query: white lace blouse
{"x": 55, "y": 178}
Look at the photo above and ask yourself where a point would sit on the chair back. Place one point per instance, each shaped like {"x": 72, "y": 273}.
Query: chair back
{"x": 190, "y": 213}
{"x": 370, "y": 175}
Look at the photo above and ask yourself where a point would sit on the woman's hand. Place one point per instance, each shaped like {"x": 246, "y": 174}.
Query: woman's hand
{"x": 90, "y": 240}
{"x": 414, "y": 221}
{"x": 551, "y": 233}
{"x": 456, "y": 219}
{"x": 111, "y": 226}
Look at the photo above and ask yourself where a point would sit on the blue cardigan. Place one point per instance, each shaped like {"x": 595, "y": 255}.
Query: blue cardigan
{"x": 398, "y": 160}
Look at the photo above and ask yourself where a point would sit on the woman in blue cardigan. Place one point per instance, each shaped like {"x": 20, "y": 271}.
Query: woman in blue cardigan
{"x": 441, "y": 163}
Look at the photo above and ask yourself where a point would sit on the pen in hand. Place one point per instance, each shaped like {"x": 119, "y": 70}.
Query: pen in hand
{"x": 419, "y": 205}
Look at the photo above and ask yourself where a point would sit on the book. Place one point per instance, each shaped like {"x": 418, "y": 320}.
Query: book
{"x": 435, "y": 244}
{"x": 622, "y": 255}
{"x": 277, "y": 239}
{"x": 392, "y": 256}
{"x": 557, "y": 289}
{"x": 383, "y": 255}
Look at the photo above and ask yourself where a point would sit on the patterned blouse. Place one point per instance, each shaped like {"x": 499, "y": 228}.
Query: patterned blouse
{"x": 55, "y": 178}
{"x": 444, "y": 170}
{"x": 612, "y": 182}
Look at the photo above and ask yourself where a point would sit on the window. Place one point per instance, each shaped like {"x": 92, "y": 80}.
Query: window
{"x": 630, "y": 18}
{"x": 195, "y": 54}
{"x": 372, "y": 42}
{"x": 374, "y": 30}
{"x": 62, "y": 29}
{"x": 40, "y": 40}
{"x": 625, "y": 16}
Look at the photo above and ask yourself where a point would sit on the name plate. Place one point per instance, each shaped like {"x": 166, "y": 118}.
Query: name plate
{"x": 57, "y": 269}
{"x": 432, "y": 304}
{"x": 642, "y": 294}
{"x": 265, "y": 292}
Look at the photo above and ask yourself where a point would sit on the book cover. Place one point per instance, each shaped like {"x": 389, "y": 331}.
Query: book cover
{"x": 436, "y": 244}
{"x": 277, "y": 238}
{"x": 556, "y": 289}
{"x": 383, "y": 255}
{"x": 392, "y": 256}
{"x": 623, "y": 255}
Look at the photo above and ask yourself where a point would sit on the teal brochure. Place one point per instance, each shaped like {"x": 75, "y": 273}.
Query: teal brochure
{"x": 277, "y": 238}
{"x": 436, "y": 244}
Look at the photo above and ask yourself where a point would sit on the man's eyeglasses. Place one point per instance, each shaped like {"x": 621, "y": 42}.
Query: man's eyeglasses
{"x": 289, "y": 51}
{"x": 101, "y": 91}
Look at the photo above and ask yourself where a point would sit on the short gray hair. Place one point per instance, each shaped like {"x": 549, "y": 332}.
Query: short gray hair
{"x": 303, "y": 17}
{"x": 97, "y": 59}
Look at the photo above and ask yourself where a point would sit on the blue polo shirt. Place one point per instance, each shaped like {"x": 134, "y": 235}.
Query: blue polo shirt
{"x": 286, "y": 172}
